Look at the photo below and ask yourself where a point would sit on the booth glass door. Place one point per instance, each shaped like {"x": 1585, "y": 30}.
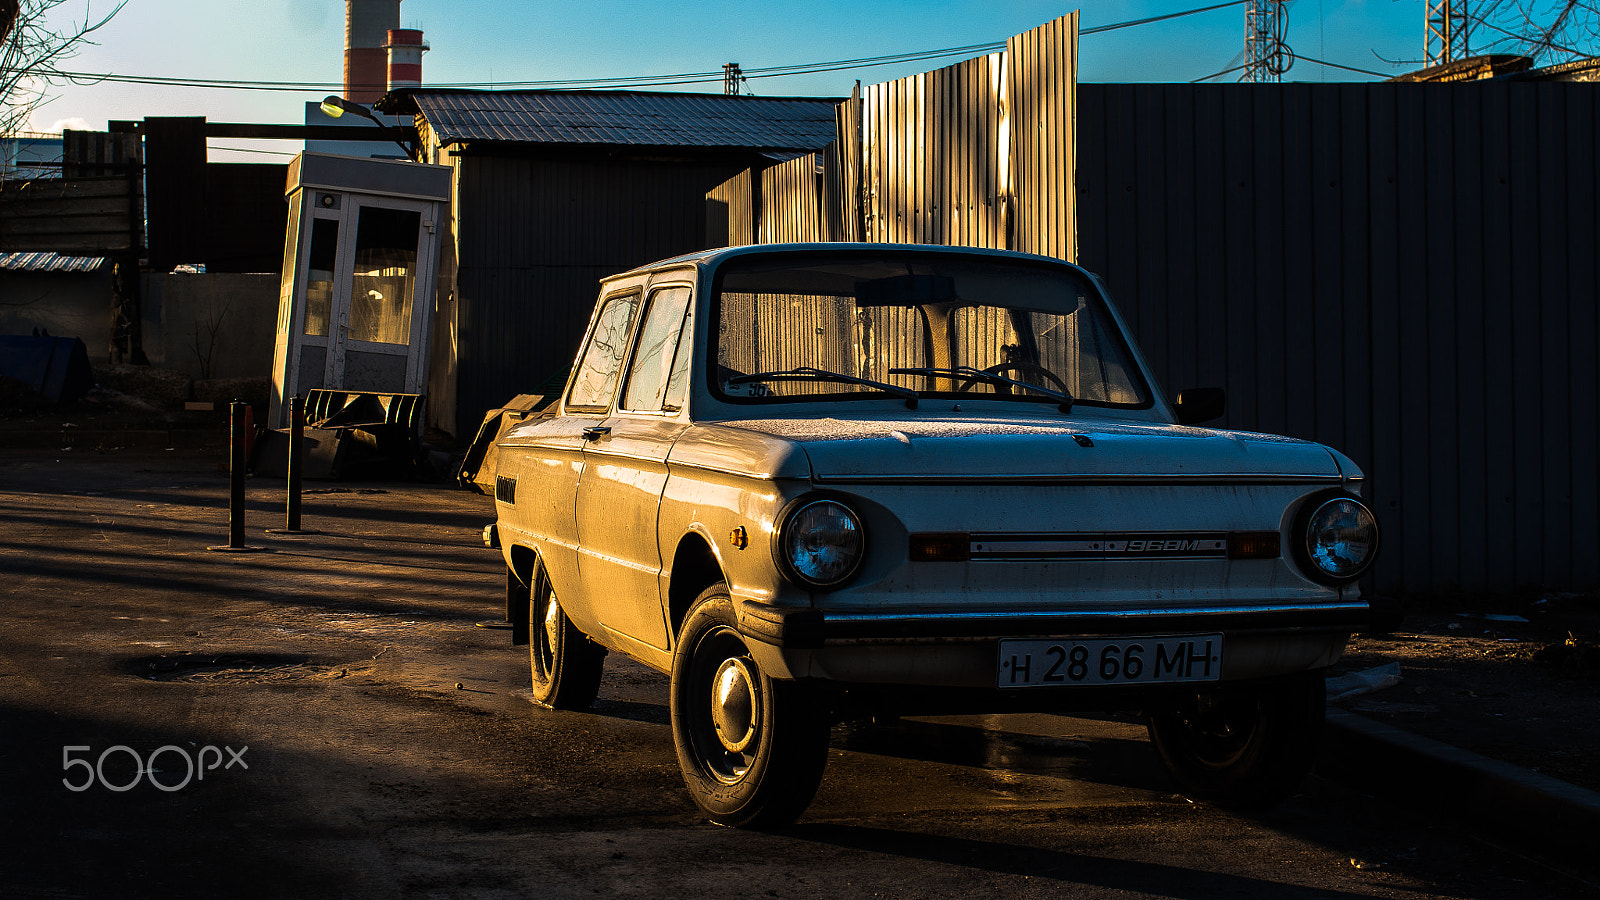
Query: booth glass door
{"x": 372, "y": 321}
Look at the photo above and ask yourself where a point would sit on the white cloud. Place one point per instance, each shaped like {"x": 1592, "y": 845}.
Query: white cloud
{"x": 75, "y": 123}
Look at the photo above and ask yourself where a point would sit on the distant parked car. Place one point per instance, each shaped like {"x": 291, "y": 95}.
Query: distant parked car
{"x": 814, "y": 482}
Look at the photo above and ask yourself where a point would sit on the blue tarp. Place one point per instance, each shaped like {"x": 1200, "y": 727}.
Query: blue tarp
{"x": 56, "y": 368}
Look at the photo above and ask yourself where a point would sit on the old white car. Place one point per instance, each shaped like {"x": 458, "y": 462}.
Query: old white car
{"x": 819, "y": 482}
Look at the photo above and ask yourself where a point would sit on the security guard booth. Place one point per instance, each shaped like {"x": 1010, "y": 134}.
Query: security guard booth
{"x": 356, "y": 301}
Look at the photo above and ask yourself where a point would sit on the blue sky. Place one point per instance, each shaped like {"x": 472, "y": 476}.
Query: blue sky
{"x": 522, "y": 40}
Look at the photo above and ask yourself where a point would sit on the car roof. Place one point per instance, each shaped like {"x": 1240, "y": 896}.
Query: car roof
{"x": 717, "y": 255}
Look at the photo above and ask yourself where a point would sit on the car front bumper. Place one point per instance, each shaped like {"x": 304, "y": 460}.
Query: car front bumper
{"x": 960, "y": 648}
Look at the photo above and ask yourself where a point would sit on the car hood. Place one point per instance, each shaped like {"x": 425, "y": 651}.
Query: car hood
{"x": 976, "y": 448}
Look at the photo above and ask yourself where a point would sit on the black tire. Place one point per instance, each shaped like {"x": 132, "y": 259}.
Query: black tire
{"x": 566, "y": 665}
{"x": 1243, "y": 747}
{"x": 766, "y": 774}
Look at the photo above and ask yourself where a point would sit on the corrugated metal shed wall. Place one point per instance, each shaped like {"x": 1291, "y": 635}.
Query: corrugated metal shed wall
{"x": 1407, "y": 272}
{"x": 731, "y": 215}
{"x": 535, "y": 235}
{"x": 793, "y": 204}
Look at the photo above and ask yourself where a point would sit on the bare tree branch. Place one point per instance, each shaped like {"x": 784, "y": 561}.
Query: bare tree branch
{"x": 30, "y": 45}
{"x": 1550, "y": 31}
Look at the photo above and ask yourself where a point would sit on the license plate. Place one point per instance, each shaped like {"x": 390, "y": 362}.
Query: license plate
{"x": 1131, "y": 660}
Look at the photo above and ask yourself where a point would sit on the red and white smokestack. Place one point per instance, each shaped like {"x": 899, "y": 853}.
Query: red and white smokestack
{"x": 366, "y": 31}
{"x": 405, "y": 48}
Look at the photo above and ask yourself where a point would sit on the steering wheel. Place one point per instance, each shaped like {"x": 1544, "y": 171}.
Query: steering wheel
{"x": 1021, "y": 368}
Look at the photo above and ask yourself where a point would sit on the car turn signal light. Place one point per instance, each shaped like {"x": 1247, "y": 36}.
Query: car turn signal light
{"x": 941, "y": 547}
{"x": 1254, "y": 545}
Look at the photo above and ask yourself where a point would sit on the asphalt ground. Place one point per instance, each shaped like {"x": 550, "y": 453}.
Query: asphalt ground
{"x": 312, "y": 680}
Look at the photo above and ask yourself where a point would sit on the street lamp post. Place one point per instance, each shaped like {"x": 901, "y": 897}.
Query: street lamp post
{"x": 335, "y": 106}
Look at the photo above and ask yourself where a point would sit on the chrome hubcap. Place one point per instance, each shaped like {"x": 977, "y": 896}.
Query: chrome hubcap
{"x": 733, "y": 712}
{"x": 552, "y": 624}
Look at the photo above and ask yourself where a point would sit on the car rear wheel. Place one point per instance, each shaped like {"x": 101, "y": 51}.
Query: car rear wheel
{"x": 752, "y": 749}
{"x": 1243, "y": 746}
{"x": 566, "y": 665}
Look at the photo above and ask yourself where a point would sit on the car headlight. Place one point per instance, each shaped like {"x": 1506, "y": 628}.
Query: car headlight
{"x": 821, "y": 543}
{"x": 1340, "y": 539}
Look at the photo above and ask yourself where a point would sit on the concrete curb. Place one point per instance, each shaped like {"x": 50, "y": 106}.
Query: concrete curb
{"x": 1492, "y": 797}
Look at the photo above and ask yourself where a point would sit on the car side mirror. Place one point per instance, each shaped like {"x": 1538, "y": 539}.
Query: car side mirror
{"x": 1197, "y": 405}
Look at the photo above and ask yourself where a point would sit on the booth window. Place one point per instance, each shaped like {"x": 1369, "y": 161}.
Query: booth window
{"x": 319, "y": 281}
{"x": 385, "y": 274}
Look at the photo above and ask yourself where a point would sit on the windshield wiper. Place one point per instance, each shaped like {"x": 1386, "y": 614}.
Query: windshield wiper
{"x": 969, "y": 373}
{"x": 809, "y": 373}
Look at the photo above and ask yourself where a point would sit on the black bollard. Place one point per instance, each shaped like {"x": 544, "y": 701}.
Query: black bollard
{"x": 297, "y": 428}
{"x": 293, "y": 466}
{"x": 238, "y": 445}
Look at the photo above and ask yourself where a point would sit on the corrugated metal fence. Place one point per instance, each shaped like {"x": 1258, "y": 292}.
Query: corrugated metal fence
{"x": 975, "y": 154}
{"x": 1405, "y": 271}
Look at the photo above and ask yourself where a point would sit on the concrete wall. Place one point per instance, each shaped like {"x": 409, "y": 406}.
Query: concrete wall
{"x": 214, "y": 325}
{"x": 67, "y": 304}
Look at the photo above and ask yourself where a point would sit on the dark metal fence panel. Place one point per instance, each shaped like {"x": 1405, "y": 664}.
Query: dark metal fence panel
{"x": 536, "y": 234}
{"x": 1407, "y": 272}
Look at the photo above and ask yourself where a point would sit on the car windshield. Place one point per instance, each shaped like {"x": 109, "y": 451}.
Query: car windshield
{"x": 851, "y": 326}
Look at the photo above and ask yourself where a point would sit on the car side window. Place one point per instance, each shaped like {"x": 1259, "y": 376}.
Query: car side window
{"x": 601, "y": 364}
{"x": 654, "y": 361}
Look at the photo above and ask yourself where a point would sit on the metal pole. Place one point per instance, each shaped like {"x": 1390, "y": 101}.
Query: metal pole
{"x": 238, "y": 441}
{"x": 236, "y": 464}
{"x": 297, "y": 426}
{"x": 294, "y": 467}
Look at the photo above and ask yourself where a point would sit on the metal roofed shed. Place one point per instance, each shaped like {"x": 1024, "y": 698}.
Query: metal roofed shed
{"x": 554, "y": 190}
{"x": 621, "y": 118}
{"x": 67, "y": 296}
{"x": 44, "y": 261}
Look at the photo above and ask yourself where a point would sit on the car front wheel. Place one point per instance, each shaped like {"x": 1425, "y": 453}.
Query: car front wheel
{"x": 752, "y": 749}
{"x": 1242, "y": 746}
{"x": 566, "y": 665}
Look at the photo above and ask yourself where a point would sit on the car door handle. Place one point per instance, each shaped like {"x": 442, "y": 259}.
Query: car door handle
{"x": 596, "y": 432}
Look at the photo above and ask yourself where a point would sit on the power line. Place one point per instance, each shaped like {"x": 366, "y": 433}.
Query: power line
{"x": 668, "y": 80}
{"x": 1346, "y": 68}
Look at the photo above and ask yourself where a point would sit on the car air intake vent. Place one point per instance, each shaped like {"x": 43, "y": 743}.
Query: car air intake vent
{"x": 505, "y": 489}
